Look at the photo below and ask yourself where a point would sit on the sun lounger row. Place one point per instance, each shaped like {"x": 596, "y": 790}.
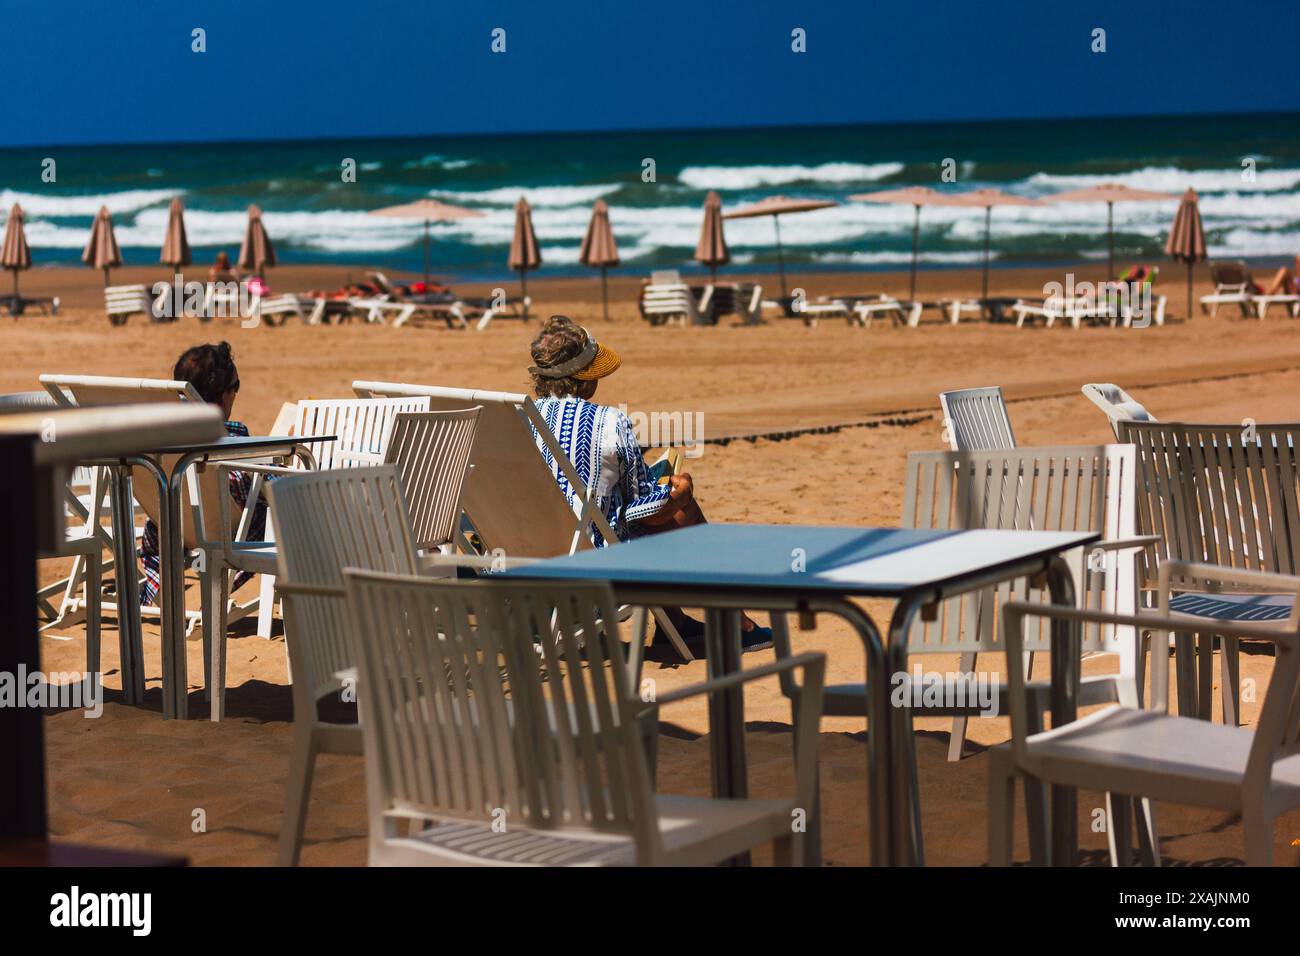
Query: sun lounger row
{"x": 122, "y": 302}
{"x": 1234, "y": 285}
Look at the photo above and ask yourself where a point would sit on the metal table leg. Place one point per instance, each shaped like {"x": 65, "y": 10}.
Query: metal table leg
{"x": 726, "y": 709}
{"x": 906, "y": 819}
{"x": 175, "y": 680}
{"x": 1066, "y": 643}
{"x": 130, "y": 641}
{"x": 880, "y": 798}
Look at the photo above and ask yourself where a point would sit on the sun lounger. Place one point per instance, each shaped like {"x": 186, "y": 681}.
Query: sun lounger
{"x": 17, "y": 304}
{"x": 491, "y": 309}
{"x": 1118, "y": 405}
{"x": 512, "y": 501}
{"x": 1234, "y": 285}
{"x": 733, "y": 298}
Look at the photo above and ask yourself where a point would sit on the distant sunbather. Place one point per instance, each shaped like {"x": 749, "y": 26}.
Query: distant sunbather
{"x": 601, "y": 443}
{"x": 211, "y": 370}
{"x": 221, "y": 270}
{"x": 1283, "y": 282}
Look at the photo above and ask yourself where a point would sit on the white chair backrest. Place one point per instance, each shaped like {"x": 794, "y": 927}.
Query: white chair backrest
{"x": 665, "y": 276}
{"x": 465, "y": 717}
{"x": 1118, "y": 405}
{"x": 360, "y": 425}
{"x": 1083, "y": 488}
{"x": 1219, "y": 494}
{"x": 975, "y": 419}
{"x": 1230, "y": 276}
{"x": 512, "y": 500}
{"x": 432, "y": 451}
{"x": 327, "y": 521}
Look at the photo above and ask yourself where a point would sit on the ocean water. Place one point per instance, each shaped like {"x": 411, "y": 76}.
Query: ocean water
{"x": 313, "y": 216}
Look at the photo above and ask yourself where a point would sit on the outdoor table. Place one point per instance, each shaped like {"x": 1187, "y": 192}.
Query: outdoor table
{"x": 806, "y": 569}
{"x": 171, "y": 598}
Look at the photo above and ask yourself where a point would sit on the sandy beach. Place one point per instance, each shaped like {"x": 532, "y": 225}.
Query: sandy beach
{"x": 861, "y": 400}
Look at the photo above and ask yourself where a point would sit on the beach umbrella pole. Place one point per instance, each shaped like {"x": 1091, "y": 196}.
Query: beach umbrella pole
{"x": 780, "y": 256}
{"x": 105, "y": 277}
{"x": 1189, "y": 291}
{"x": 426, "y": 254}
{"x": 604, "y": 291}
{"x": 988, "y": 225}
{"x": 523, "y": 290}
{"x": 916, "y": 238}
{"x": 1110, "y": 240}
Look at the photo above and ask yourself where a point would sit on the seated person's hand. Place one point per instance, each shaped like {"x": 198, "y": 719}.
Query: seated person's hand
{"x": 681, "y": 492}
{"x": 681, "y": 489}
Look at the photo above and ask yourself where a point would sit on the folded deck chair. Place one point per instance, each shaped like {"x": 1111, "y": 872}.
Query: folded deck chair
{"x": 512, "y": 500}
{"x": 123, "y": 301}
{"x": 1118, "y": 405}
{"x": 663, "y": 303}
{"x": 733, "y": 298}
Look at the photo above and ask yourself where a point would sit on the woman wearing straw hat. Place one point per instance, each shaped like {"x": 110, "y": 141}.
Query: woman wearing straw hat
{"x": 568, "y": 365}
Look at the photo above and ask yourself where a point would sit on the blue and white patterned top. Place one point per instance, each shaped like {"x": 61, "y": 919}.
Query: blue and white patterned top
{"x": 602, "y": 445}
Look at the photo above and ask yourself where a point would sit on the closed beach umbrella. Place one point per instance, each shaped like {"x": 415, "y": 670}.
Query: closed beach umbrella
{"x": 176, "y": 247}
{"x": 776, "y": 207}
{"x": 599, "y": 249}
{"x": 712, "y": 249}
{"x": 15, "y": 254}
{"x": 987, "y": 199}
{"x": 256, "y": 253}
{"x": 915, "y": 196}
{"x": 1186, "y": 242}
{"x": 1110, "y": 193}
{"x": 101, "y": 250}
{"x": 524, "y": 251}
{"x": 429, "y": 210}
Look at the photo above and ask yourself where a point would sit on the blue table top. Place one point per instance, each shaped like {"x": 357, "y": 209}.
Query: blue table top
{"x": 871, "y": 562}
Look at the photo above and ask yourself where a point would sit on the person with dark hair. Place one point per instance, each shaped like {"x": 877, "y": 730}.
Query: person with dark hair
{"x": 221, "y": 269}
{"x": 211, "y": 370}
{"x": 602, "y": 444}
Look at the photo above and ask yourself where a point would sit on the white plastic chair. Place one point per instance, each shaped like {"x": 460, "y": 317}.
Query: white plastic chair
{"x": 432, "y": 453}
{"x": 1221, "y": 495}
{"x": 360, "y": 427}
{"x": 328, "y": 520}
{"x": 1147, "y": 754}
{"x": 525, "y": 752}
{"x": 1118, "y": 405}
{"x": 975, "y": 419}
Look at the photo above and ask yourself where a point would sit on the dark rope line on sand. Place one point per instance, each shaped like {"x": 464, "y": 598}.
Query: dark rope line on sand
{"x": 918, "y": 415}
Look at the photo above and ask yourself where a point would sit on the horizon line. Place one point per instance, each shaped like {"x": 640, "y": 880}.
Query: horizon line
{"x": 625, "y": 131}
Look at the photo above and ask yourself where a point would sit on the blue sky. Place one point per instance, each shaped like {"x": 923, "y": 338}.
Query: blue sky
{"x": 123, "y": 71}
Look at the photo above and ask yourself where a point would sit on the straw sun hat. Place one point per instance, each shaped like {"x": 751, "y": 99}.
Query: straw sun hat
{"x": 593, "y": 362}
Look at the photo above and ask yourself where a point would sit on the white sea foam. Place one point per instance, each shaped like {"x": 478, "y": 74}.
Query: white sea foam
{"x": 1172, "y": 180}
{"x": 48, "y": 204}
{"x": 752, "y": 177}
{"x": 537, "y": 196}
